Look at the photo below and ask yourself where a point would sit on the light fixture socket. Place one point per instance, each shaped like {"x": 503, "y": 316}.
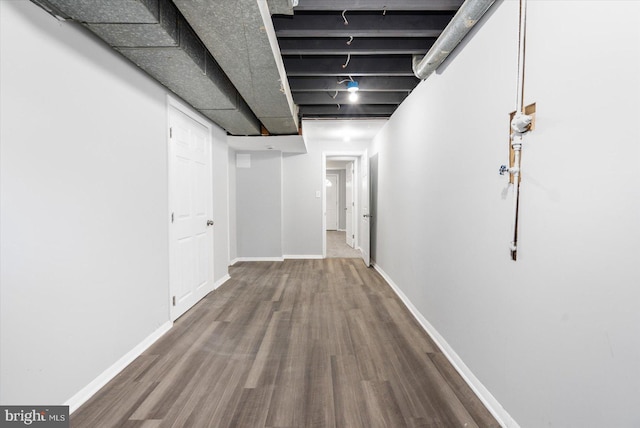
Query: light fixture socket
{"x": 352, "y": 86}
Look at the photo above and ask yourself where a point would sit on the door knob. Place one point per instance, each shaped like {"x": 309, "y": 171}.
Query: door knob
{"x": 209, "y": 222}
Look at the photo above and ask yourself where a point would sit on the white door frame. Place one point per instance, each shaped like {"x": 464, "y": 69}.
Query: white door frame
{"x": 364, "y": 217}
{"x": 356, "y": 158}
{"x": 350, "y": 204}
{"x": 174, "y": 103}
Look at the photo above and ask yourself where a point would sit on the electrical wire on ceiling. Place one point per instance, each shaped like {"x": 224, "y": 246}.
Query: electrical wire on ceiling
{"x": 347, "y": 63}
{"x": 344, "y": 17}
{"x": 335, "y": 95}
{"x": 350, "y": 40}
{"x": 350, "y": 79}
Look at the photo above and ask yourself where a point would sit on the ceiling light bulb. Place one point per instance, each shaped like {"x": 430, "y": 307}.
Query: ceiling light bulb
{"x": 353, "y": 97}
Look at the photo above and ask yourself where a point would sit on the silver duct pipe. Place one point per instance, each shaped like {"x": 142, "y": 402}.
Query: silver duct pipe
{"x": 467, "y": 16}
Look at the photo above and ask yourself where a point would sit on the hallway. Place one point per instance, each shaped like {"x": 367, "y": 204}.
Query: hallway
{"x": 290, "y": 344}
{"x": 338, "y": 248}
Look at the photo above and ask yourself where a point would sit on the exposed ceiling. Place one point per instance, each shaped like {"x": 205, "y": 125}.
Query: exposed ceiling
{"x": 326, "y": 44}
{"x": 244, "y": 63}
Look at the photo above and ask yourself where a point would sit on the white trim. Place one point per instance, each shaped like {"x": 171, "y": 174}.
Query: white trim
{"x": 490, "y": 402}
{"x": 234, "y": 261}
{"x": 259, "y": 259}
{"x": 221, "y": 281}
{"x": 303, "y": 256}
{"x": 282, "y": 226}
{"x": 324, "y": 205}
{"x": 94, "y": 386}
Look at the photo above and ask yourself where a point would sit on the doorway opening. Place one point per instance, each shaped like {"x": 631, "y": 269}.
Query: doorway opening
{"x": 341, "y": 205}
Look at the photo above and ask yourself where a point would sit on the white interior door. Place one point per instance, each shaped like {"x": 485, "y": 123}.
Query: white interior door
{"x": 349, "y": 204}
{"x": 191, "y": 212}
{"x": 332, "y": 182}
{"x": 365, "y": 224}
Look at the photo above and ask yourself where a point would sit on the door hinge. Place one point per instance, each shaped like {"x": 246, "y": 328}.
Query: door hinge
{"x": 170, "y": 132}
{"x": 174, "y": 300}
{"x": 171, "y": 217}
{"x": 353, "y": 236}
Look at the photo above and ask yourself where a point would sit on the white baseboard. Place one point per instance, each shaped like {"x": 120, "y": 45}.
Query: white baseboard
{"x": 303, "y": 256}
{"x": 259, "y": 259}
{"x": 490, "y": 402}
{"x": 87, "y": 392}
{"x": 221, "y": 281}
{"x": 233, "y": 262}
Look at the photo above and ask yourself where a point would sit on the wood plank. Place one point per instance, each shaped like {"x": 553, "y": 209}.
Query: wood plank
{"x": 480, "y": 414}
{"x": 349, "y": 404}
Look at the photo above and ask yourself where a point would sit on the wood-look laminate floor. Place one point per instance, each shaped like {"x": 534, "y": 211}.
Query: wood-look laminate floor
{"x": 299, "y": 343}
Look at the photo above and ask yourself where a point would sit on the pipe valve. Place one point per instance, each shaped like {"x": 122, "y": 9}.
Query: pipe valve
{"x": 503, "y": 169}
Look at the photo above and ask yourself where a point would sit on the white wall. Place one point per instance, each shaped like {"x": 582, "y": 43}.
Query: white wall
{"x": 302, "y": 210}
{"x": 84, "y": 207}
{"x": 555, "y": 336}
{"x": 221, "y": 186}
{"x": 259, "y": 206}
{"x": 264, "y": 229}
{"x": 301, "y": 177}
{"x": 233, "y": 239}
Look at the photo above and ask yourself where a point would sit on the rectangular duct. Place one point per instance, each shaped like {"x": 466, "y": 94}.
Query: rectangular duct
{"x": 154, "y": 35}
{"x": 241, "y": 37}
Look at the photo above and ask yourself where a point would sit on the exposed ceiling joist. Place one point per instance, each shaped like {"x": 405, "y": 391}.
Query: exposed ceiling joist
{"x": 404, "y": 5}
{"x": 371, "y": 110}
{"x": 357, "y": 24}
{"x": 328, "y": 44}
{"x": 357, "y": 66}
{"x": 366, "y": 83}
{"x": 327, "y": 98}
{"x": 355, "y": 46}
{"x": 245, "y": 69}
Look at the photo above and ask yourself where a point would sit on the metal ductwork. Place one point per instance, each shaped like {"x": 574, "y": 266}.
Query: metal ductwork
{"x": 156, "y": 37}
{"x": 463, "y": 21}
{"x": 282, "y": 7}
{"x": 241, "y": 37}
